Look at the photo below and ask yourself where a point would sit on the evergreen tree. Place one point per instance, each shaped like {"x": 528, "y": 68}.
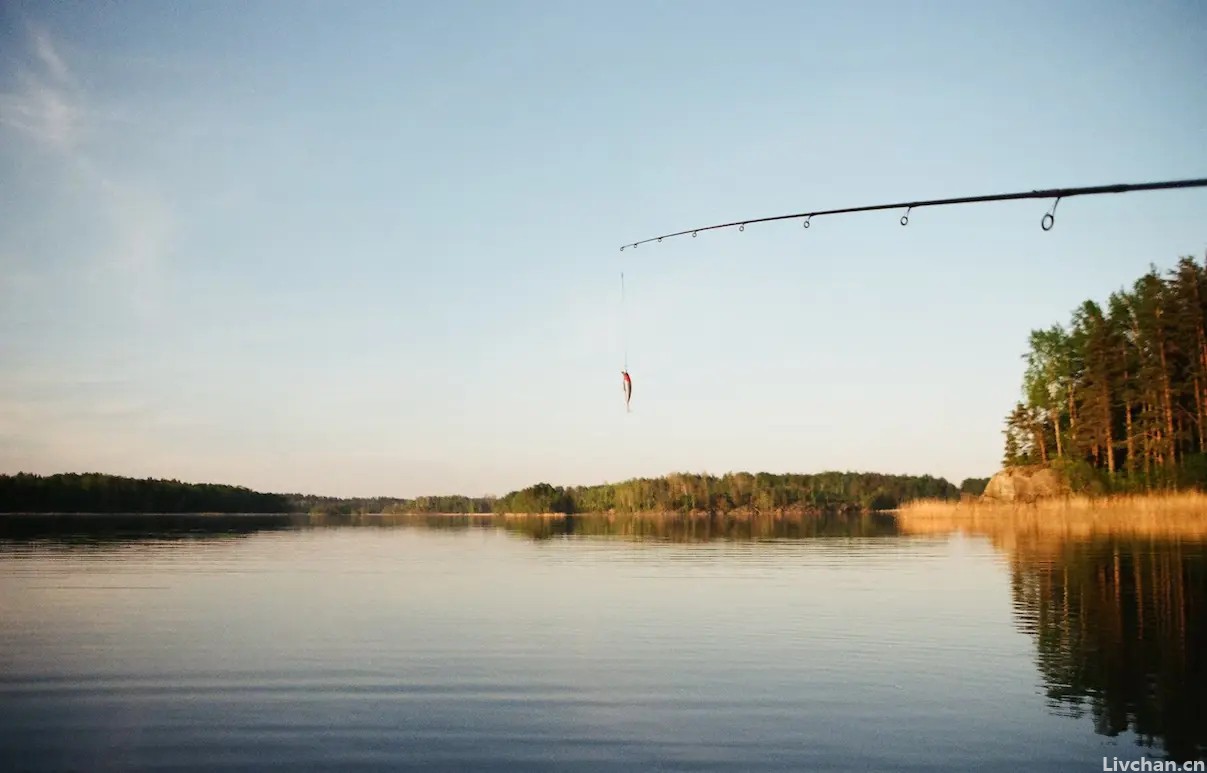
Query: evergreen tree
{"x": 1123, "y": 390}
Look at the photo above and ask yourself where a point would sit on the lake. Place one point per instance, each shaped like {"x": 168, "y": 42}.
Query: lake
{"x": 838, "y": 643}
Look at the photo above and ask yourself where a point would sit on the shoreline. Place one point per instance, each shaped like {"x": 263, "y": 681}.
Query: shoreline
{"x": 612, "y": 514}
{"x": 1193, "y": 503}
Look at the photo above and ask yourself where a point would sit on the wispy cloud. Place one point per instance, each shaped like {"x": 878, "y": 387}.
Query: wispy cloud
{"x": 58, "y": 418}
{"x": 50, "y": 108}
{"x": 46, "y": 106}
{"x": 55, "y": 66}
{"x": 42, "y": 112}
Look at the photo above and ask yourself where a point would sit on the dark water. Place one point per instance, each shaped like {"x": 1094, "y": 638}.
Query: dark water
{"x": 203, "y": 643}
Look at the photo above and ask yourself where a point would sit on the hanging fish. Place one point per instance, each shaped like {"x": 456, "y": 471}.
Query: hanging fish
{"x": 628, "y": 382}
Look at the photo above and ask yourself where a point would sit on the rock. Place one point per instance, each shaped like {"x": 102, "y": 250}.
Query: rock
{"x": 1025, "y": 484}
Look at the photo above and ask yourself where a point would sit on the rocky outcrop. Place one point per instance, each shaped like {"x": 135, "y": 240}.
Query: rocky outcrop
{"x": 1025, "y": 484}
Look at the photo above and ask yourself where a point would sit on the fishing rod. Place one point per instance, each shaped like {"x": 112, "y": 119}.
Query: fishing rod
{"x": 1046, "y": 223}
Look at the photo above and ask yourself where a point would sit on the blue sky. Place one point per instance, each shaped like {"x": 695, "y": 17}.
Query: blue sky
{"x": 372, "y": 248}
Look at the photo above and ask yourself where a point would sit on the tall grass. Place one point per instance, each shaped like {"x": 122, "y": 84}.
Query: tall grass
{"x": 1167, "y": 515}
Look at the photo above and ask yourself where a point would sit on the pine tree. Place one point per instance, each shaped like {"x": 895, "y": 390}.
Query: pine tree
{"x": 1123, "y": 389}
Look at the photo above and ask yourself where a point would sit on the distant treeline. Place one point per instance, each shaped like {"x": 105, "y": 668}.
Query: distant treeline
{"x": 98, "y": 493}
{"x": 318, "y": 505}
{"x": 742, "y": 491}
{"x": 827, "y": 491}
{"x": 1118, "y": 399}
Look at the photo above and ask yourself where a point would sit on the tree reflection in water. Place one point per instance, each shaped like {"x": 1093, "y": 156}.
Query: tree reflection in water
{"x": 1116, "y": 608}
{"x": 1120, "y": 633}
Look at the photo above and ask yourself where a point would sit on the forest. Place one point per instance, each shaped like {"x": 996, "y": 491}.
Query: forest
{"x": 99, "y": 493}
{"x": 1117, "y": 398}
{"x": 102, "y": 493}
{"x": 685, "y": 492}
{"x": 762, "y": 492}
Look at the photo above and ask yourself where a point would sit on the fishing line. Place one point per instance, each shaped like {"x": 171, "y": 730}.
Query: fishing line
{"x": 1046, "y": 222}
{"x": 624, "y": 325}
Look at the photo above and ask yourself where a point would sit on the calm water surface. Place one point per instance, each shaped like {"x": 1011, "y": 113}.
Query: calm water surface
{"x": 204, "y": 642}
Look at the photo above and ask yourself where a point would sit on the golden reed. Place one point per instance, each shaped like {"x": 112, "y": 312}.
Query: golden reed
{"x": 1181, "y": 515}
